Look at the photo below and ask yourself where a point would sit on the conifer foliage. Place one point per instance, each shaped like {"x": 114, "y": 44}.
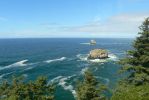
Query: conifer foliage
{"x": 18, "y": 90}
{"x": 135, "y": 87}
{"x": 89, "y": 88}
{"x": 137, "y": 61}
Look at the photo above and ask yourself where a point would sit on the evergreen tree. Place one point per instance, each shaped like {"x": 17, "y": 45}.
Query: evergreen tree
{"x": 137, "y": 60}
{"x": 90, "y": 89}
{"x": 136, "y": 85}
{"x": 18, "y": 90}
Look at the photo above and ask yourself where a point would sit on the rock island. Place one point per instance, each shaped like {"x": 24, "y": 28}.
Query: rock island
{"x": 98, "y": 54}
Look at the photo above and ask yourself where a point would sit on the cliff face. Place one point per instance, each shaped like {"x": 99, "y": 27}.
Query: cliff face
{"x": 98, "y": 54}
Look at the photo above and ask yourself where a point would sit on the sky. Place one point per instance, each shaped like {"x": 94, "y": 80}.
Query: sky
{"x": 72, "y": 18}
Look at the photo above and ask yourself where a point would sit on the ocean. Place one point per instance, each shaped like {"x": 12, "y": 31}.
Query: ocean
{"x": 62, "y": 60}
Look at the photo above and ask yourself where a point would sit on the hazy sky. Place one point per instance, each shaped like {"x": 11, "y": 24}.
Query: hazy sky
{"x": 71, "y": 18}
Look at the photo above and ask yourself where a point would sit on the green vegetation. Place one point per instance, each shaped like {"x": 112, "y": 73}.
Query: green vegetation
{"x": 136, "y": 85}
{"x": 18, "y": 90}
{"x": 131, "y": 92}
{"x": 90, "y": 89}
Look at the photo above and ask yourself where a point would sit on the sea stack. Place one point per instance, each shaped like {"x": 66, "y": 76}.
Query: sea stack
{"x": 92, "y": 42}
{"x": 98, "y": 54}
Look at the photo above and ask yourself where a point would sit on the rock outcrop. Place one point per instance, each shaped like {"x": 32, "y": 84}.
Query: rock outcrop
{"x": 98, "y": 54}
{"x": 92, "y": 42}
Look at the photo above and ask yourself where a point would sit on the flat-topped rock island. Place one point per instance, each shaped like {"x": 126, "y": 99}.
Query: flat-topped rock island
{"x": 98, "y": 54}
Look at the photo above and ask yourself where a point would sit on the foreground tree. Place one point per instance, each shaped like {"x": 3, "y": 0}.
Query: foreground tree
{"x": 137, "y": 61}
{"x": 18, "y": 90}
{"x": 90, "y": 89}
{"x": 135, "y": 86}
{"x": 131, "y": 92}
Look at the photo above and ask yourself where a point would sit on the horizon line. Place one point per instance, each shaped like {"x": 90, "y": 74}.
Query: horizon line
{"x": 66, "y": 37}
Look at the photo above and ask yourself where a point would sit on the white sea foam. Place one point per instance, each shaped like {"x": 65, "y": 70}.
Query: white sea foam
{"x": 1, "y": 76}
{"x": 63, "y": 83}
{"x": 54, "y": 60}
{"x": 61, "y": 80}
{"x": 98, "y": 60}
{"x": 17, "y": 64}
{"x": 28, "y": 68}
{"x": 82, "y": 57}
{"x": 56, "y": 79}
{"x": 113, "y": 57}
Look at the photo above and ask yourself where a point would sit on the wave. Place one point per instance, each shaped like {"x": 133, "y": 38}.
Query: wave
{"x": 63, "y": 83}
{"x": 29, "y": 68}
{"x": 113, "y": 57}
{"x": 84, "y": 57}
{"x": 56, "y": 79}
{"x": 54, "y": 60}
{"x": 1, "y": 76}
{"x": 61, "y": 80}
{"x": 21, "y": 63}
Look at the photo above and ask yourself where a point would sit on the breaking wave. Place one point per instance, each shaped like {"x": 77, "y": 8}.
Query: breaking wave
{"x": 56, "y": 79}
{"x": 17, "y": 64}
{"x": 63, "y": 83}
{"x": 54, "y": 60}
{"x": 113, "y": 57}
{"x": 61, "y": 80}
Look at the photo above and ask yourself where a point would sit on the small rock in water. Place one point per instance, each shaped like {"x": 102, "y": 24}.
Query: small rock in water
{"x": 92, "y": 42}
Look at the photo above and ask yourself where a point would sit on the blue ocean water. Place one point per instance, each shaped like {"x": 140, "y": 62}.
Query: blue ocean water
{"x": 62, "y": 60}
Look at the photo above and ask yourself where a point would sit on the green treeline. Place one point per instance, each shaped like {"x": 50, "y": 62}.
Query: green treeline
{"x": 134, "y": 87}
